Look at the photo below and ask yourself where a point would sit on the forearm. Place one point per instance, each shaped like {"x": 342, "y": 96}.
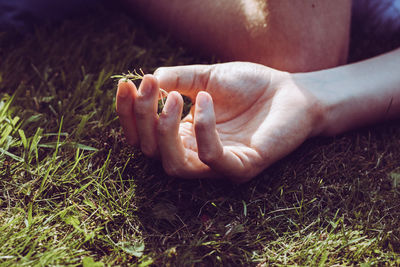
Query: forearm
{"x": 357, "y": 94}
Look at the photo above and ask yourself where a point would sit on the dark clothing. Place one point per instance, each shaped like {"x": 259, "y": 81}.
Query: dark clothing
{"x": 21, "y": 15}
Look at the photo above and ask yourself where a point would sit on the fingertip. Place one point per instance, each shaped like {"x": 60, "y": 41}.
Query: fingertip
{"x": 125, "y": 83}
{"x": 167, "y": 78}
{"x": 122, "y": 93}
{"x": 176, "y": 94}
{"x": 150, "y": 78}
{"x": 125, "y": 88}
{"x": 149, "y": 85}
{"x": 204, "y": 108}
{"x": 171, "y": 114}
{"x": 188, "y": 80}
{"x": 161, "y": 73}
{"x": 204, "y": 100}
{"x": 124, "y": 98}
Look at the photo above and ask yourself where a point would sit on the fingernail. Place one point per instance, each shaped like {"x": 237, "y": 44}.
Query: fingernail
{"x": 123, "y": 91}
{"x": 158, "y": 72}
{"x": 146, "y": 89}
{"x": 203, "y": 100}
{"x": 170, "y": 104}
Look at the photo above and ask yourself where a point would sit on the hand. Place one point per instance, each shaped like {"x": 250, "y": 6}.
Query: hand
{"x": 245, "y": 117}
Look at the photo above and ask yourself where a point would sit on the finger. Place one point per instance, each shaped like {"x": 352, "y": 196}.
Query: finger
{"x": 209, "y": 145}
{"x": 210, "y": 148}
{"x": 145, "y": 110}
{"x": 170, "y": 145}
{"x": 126, "y": 94}
{"x": 177, "y": 161}
{"x": 187, "y": 80}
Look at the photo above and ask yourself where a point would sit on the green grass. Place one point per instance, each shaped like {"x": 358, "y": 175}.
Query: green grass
{"x": 73, "y": 193}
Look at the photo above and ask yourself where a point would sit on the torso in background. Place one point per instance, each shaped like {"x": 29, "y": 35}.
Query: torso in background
{"x": 21, "y": 13}
{"x": 375, "y": 23}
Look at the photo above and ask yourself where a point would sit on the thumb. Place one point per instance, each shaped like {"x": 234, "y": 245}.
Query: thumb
{"x": 187, "y": 80}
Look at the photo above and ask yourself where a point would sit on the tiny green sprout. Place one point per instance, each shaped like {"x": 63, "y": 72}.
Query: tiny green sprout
{"x": 133, "y": 76}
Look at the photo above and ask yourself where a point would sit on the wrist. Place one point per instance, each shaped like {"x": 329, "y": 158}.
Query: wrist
{"x": 317, "y": 106}
{"x": 354, "y": 95}
{"x": 336, "y": 100}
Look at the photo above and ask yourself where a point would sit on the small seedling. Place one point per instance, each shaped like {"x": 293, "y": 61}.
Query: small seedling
{"x": 133, "y": 76}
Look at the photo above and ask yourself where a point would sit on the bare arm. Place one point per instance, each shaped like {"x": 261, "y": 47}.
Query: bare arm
{"x": 357, "y": 94}
{"x": 282, "y": 34}
{"x": 268, "y": 115}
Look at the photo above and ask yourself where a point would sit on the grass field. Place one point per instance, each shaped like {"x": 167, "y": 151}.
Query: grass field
{"x": 73, "y": 193}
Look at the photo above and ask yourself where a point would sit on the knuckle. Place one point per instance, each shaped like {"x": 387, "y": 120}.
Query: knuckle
{"x": 141, "y": 111}
{"x": 159, "y": 70}
{"x": 204, "y": 77}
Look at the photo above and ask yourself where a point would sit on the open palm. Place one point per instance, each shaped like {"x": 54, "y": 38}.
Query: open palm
{"x": 245, "y": 117}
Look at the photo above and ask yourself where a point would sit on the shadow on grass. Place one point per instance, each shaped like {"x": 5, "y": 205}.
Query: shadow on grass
{"x": 345, "y": 180}
{"x": 332, "y": 201}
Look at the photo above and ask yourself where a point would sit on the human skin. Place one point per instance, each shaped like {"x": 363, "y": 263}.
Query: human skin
{"x": 247, "y": 116}
{"x": 294, "y": 36}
